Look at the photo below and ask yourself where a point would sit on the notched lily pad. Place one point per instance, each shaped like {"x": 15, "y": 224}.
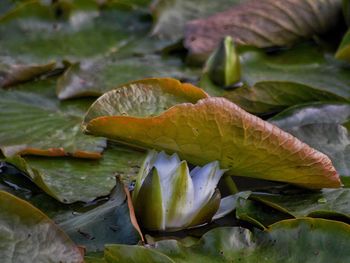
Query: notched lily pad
{"x": 35, "y": 124}
{"x": 71, "y": 180}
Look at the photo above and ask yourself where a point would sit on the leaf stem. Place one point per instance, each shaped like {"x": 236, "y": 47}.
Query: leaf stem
{"x": 230, "y": 183}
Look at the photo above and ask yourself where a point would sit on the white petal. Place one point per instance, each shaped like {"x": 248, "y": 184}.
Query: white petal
{"x": 205, "y": 181}
{"x": 178, "y": 198}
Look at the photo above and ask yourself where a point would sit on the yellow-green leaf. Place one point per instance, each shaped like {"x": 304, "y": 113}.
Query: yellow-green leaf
{"x": 206, "y": 130}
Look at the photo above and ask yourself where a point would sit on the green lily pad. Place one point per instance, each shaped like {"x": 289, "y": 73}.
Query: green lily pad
{"x": 276, "y": 81}
{"x": 108, "y": 223}
{"x": 263, "y": 23}
{"x": 65, "y": 31}
{"x": 328, "y": 203}
{"x": 71, "y": 180}
{"x": 28, "y": 235}
{"x": 319, "y": 125}
{"x": 259, "y": 214}
{"x": 171, "y": 16}
{"x": 343, "y": 51}
{"x": 93, "y": 78}
{"x": 37, "y": 124}
{"x": 290, "y": 241}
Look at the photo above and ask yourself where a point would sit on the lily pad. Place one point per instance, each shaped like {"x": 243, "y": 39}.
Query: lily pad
{"x": 36, "y": 124}
{"x": 328, "y": 203}
{"x": 259, "y": 214}
{"x": 319, "y": 125}
{"x": 263, "y": 23}
{"x": 15, "y": 74}
{"x": 202, "y": 131}
{"x": 108, "y": 223}
{"x": 28, "y": 235}
{"x": 93, "y": 78}
{"x": 290, "y": 241}
{"x": 71, "y": 180}
{"x": 65, "y": 31}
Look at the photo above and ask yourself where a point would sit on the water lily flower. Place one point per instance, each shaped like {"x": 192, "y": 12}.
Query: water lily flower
{"x": 169, "y": 197}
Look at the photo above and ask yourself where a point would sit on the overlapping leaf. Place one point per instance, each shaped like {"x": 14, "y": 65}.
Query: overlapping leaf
{"x": 290, "y": 241}
{"x": 328, "y": 203}
{"x": 28, "y": 235}
{"x": 61, "y": 30}
{"x": 319, "y": 125}
{"x": 38, "y": 125}
{"x": 263, "y": 23}
{"x": 70, "y": 180}
{"x": 108, "y": 223}
{"x": 202, "y": 131}
{"x": 93, "y": 78}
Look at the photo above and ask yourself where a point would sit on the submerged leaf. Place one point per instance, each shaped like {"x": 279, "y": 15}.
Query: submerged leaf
{"x": 71, "y": 180}
{"x": 263, "y": 23}
{"x": 28, "y": 235}
{"x": 206, "y": 130}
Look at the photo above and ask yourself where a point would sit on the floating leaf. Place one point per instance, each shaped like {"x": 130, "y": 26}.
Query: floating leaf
{"x": 38, "y": 125}
{"x": 28, "y": 235}
{"x": 343, "y": 51}
{"x": 290, "y": 241}
{"x": 71, "y": 180}
{"x": 319, "y": 125}
{"x": 93, "y": 78}
{"x": 22, "y": 73}
{"x": 276, "y": 81}
{"x": 328, "y": 203}
{"x": 65, "y": 31}
{"x": 108, "y": 223}
{"x": 263, "y": 23}
{"x": 202, "y": 131}
{"x": 259, "y": 214}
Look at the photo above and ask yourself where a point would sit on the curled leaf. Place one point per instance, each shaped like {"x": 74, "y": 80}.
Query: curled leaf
{"x": 263, "y": 23}
{"x": 206, "y": 130}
